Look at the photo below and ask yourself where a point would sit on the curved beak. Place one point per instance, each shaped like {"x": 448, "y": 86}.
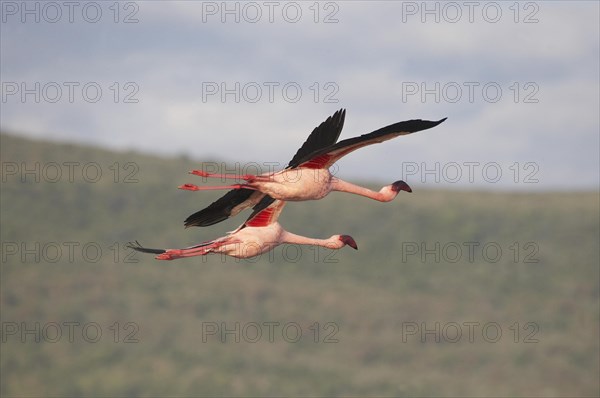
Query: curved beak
{"x": 401, "y": 186}
{"x": 348, "y": 240}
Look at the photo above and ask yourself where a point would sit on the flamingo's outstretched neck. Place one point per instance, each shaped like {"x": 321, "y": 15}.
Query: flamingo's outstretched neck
{"x": 386, "y": 194}
{"x": 334, "y": 242}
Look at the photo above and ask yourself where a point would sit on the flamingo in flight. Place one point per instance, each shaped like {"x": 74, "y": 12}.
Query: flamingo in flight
{"x": 259, "y": 234}
{"x": 307, "y": 177}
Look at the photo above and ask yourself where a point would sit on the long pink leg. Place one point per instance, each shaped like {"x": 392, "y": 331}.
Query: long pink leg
{"x": 201, "y": 173}
{"x": 193, "y": 187}
{"x": 246, "y": 177}
{"x": 173, "y": 254}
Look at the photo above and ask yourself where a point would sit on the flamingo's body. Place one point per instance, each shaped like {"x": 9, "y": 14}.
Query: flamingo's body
{"x": 259, "y": 234}
{"x": 307, "y": 177}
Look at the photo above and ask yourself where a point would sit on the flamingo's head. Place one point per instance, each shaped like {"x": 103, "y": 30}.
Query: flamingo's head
{"x": 348, "y": 240}
{"x": 400, "y": 186}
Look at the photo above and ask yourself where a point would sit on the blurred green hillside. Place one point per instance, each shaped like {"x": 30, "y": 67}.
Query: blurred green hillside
{"x": 450, "y": 293}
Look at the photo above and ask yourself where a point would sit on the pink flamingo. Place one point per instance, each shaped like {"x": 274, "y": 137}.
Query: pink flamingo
{"x": 308, "y": 177}
{"x": 259, "y": 234}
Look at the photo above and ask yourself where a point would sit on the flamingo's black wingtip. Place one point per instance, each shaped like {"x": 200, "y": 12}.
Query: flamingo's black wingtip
{"x": 433, "y": 124}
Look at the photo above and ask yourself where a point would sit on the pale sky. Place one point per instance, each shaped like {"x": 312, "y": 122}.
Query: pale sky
{"x": 248, "y": 81}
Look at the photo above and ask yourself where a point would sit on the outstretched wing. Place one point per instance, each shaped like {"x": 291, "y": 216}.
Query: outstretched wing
{"x": 226, "y": 206}
{"x": 236, "y": 200}
{"x": 267, "y": 215}
{"x": 323, "y": 136}
{"x": 325, "y": 157}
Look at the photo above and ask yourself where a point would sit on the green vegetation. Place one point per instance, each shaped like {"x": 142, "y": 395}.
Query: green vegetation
{"x": 542, "y": 291}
